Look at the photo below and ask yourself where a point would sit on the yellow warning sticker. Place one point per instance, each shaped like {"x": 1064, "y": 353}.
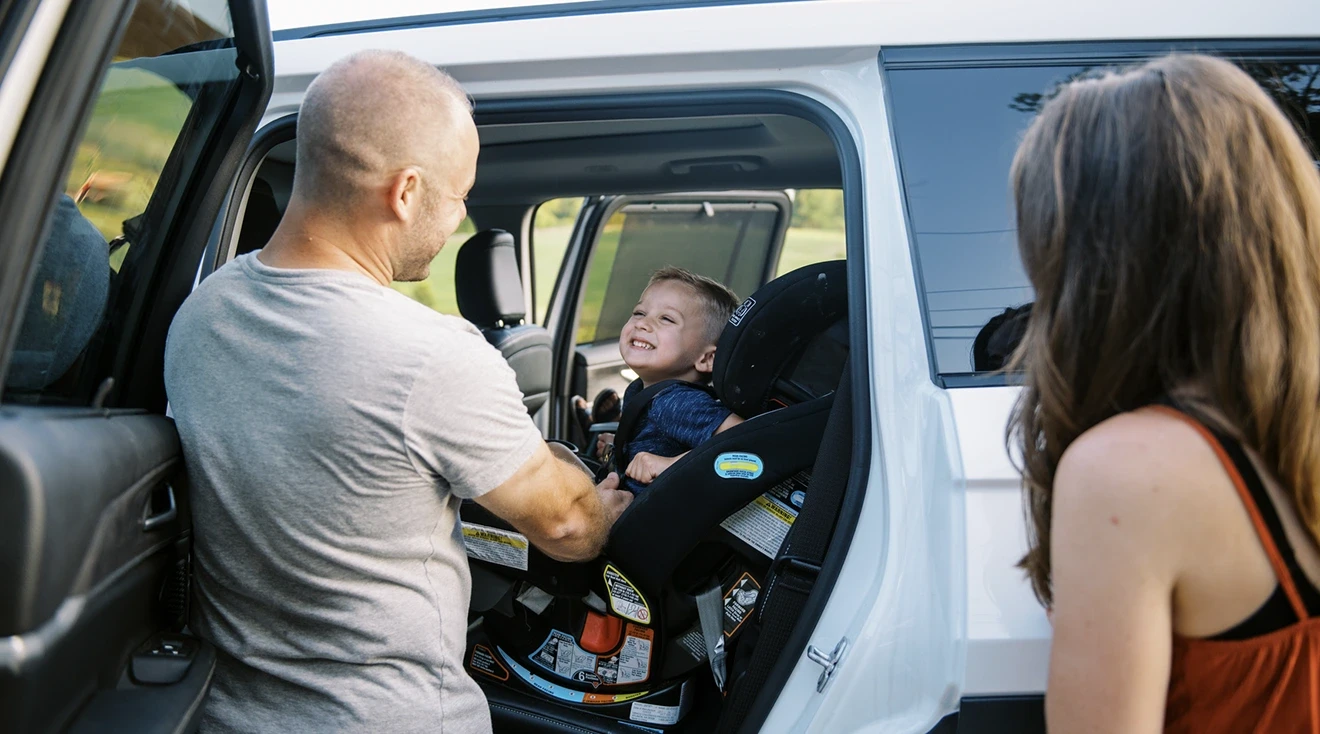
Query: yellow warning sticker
{"x": 764, "y": 522}
{"x": 625, "y": 599}
{"x": 496, "y": 546}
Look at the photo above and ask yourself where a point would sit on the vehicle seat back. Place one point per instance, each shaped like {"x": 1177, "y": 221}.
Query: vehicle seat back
{"x": 260, "y": 218}
{"x": 490, "y": 295}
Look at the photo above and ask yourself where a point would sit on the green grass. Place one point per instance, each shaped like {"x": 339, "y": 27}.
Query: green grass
{"x": 134, "y": 125}
{"x": 803, "y": 246}
{"x": 548, "y": 247}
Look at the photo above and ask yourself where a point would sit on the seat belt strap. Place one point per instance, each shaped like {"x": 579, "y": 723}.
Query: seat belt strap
{"x": 710, "y": 610}
{"x": 792, "y": 577}
{"x": 633, "y": 408}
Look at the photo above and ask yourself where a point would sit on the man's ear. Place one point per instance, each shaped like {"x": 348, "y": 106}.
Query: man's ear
{"x": 706, "y": 362}
{"x": 405, "y": 194}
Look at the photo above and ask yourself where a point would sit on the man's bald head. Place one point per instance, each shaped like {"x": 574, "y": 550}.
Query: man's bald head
{"x": 370, "y": 115}
{"x": 387, "y": 149}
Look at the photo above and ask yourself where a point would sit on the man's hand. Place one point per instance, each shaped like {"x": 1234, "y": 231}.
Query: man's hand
{"x": 614, "y": 499}
{"x": 645, "y": 467}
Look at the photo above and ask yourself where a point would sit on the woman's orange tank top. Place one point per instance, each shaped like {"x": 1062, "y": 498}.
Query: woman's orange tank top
{"x": 1265, "y": 683}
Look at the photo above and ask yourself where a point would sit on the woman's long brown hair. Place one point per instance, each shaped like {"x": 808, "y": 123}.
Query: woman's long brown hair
{"x": 1169, "y": 220}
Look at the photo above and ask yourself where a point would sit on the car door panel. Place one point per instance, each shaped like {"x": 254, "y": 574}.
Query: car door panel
{"x": 95, "y": 528}
{"x": 86, "y": 568}
{"x": 599, "y": 367}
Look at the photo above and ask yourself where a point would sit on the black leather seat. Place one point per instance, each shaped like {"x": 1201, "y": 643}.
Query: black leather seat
{"x": 490, "y": 295}
{"x": 260, "y": 218}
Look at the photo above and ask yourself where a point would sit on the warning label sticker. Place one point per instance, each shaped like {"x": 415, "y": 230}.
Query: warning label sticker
{"x": 635, "y": 657}
{"x": 693, "y": 643}
{"x": 649, "y": 713}
{"x": 565, "y": 694}
{"x": 484, "y": 661}
{"x": 653, "y": 714}
{"x": 495, "y": 546}
{"x": 561, "y": 655}
{"x": 739, "y": 603}
{"x": 625, "y": 599}
{"x": 764, "y": 523}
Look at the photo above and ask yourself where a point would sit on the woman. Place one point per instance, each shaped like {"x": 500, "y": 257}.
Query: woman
{"x": 1169, "y": 219}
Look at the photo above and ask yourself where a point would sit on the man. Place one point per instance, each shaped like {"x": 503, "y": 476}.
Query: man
{"x": 331, "y": 427}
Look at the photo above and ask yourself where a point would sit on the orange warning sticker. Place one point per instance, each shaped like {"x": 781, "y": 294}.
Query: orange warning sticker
{"x": 484, "y": 661}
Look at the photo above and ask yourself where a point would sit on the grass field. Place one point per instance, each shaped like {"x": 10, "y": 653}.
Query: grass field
{"x": 802, "y": 246}
{"x": 132, "y": 131}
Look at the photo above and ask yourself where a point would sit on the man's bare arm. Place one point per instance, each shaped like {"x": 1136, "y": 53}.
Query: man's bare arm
{"x": 551, "y": 500}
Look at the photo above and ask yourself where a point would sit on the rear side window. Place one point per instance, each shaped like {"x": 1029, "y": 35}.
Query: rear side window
{"x": 731, "y": 242}
{"x": 143, "y": 129}
{"x": 552, "y": 226}
{"x": 957, "y": 130}
{"x": 816, "y": 232}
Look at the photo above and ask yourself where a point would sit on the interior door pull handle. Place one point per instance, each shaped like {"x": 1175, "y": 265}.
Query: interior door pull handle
{"x": 151, "y": 522}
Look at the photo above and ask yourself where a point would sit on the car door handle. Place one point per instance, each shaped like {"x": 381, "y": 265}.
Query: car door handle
{"x": 152, "y": 521}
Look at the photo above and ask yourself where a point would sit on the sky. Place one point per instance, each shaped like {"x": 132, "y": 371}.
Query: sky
{"x": 299, "y": 13}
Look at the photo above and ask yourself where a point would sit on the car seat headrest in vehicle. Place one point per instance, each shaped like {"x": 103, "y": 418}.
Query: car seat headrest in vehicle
{"x": 786, "y": 343}
{"x": 260, "y": 218}
{"x": 490, "y": 295}
{"x": 487, "y": 282}
{"x": 67, "y": 301}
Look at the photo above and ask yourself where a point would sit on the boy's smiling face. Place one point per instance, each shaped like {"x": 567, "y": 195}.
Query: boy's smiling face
{"x": 666, "y": 337}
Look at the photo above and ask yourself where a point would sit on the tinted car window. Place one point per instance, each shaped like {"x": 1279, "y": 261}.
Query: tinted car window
{"x": 957, "y": 130}
{"x": 729, "y": 242}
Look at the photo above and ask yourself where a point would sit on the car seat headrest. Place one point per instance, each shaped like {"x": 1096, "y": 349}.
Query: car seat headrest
{"x": 260, "y": 219}
{"x": 786, "y": 343}
{"x": 486, "y": 280}
{"x": 67, "y": 301}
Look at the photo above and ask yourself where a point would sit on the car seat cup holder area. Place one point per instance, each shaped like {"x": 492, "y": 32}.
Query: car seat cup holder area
{"x": 642, "y": 634}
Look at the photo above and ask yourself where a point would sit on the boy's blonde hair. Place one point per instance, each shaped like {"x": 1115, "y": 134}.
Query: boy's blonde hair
{"x": 717, "y": 301}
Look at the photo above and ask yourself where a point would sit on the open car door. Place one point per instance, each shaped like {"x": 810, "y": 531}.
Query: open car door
{"x": 121, "y": 125}
{"x": 733, "y": 237}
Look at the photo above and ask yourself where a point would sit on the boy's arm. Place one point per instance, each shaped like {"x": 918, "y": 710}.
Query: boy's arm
{"x": 733, "y": 420}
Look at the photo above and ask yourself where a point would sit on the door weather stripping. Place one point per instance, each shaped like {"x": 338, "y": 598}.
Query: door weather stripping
{"x": 829, "y": 661}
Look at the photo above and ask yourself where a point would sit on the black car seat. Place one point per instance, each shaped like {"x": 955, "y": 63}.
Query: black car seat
{"x": 635, "y": 626}
{"x": 67, "y": 303}
{"x": 260, "y": 218}
{"x": 490, "y": 295}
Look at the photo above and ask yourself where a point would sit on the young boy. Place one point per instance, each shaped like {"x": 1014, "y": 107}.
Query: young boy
{"x": 672, "y": 336}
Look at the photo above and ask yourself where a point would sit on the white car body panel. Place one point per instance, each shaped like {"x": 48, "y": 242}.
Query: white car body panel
{"x": 929, "y": 596}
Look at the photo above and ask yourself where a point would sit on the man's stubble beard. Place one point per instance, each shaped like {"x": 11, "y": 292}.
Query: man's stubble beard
{"x": 416, "y": 259}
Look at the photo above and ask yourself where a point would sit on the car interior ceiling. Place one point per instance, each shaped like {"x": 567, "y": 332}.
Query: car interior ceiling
{"x": 526, "y": 164}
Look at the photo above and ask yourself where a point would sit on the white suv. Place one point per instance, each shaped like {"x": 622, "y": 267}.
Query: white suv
{"x": 745, "y": 139}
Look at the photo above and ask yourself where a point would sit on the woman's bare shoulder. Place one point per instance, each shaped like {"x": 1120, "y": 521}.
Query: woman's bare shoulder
{"x": 1148, "y": 468}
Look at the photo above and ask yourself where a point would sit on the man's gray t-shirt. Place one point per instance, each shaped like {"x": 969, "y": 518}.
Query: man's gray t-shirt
{"x": 330, "y": 428}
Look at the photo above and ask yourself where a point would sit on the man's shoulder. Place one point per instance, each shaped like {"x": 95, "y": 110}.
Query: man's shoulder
{"x": 207, "y": 296}
{"x": 414, "y": 314}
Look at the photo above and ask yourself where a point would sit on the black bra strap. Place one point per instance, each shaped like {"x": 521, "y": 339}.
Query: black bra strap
{"x": 1265, "y": 506}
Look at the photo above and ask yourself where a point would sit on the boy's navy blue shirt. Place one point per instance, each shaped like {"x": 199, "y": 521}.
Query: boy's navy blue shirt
{"x": 679, "y": 419}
